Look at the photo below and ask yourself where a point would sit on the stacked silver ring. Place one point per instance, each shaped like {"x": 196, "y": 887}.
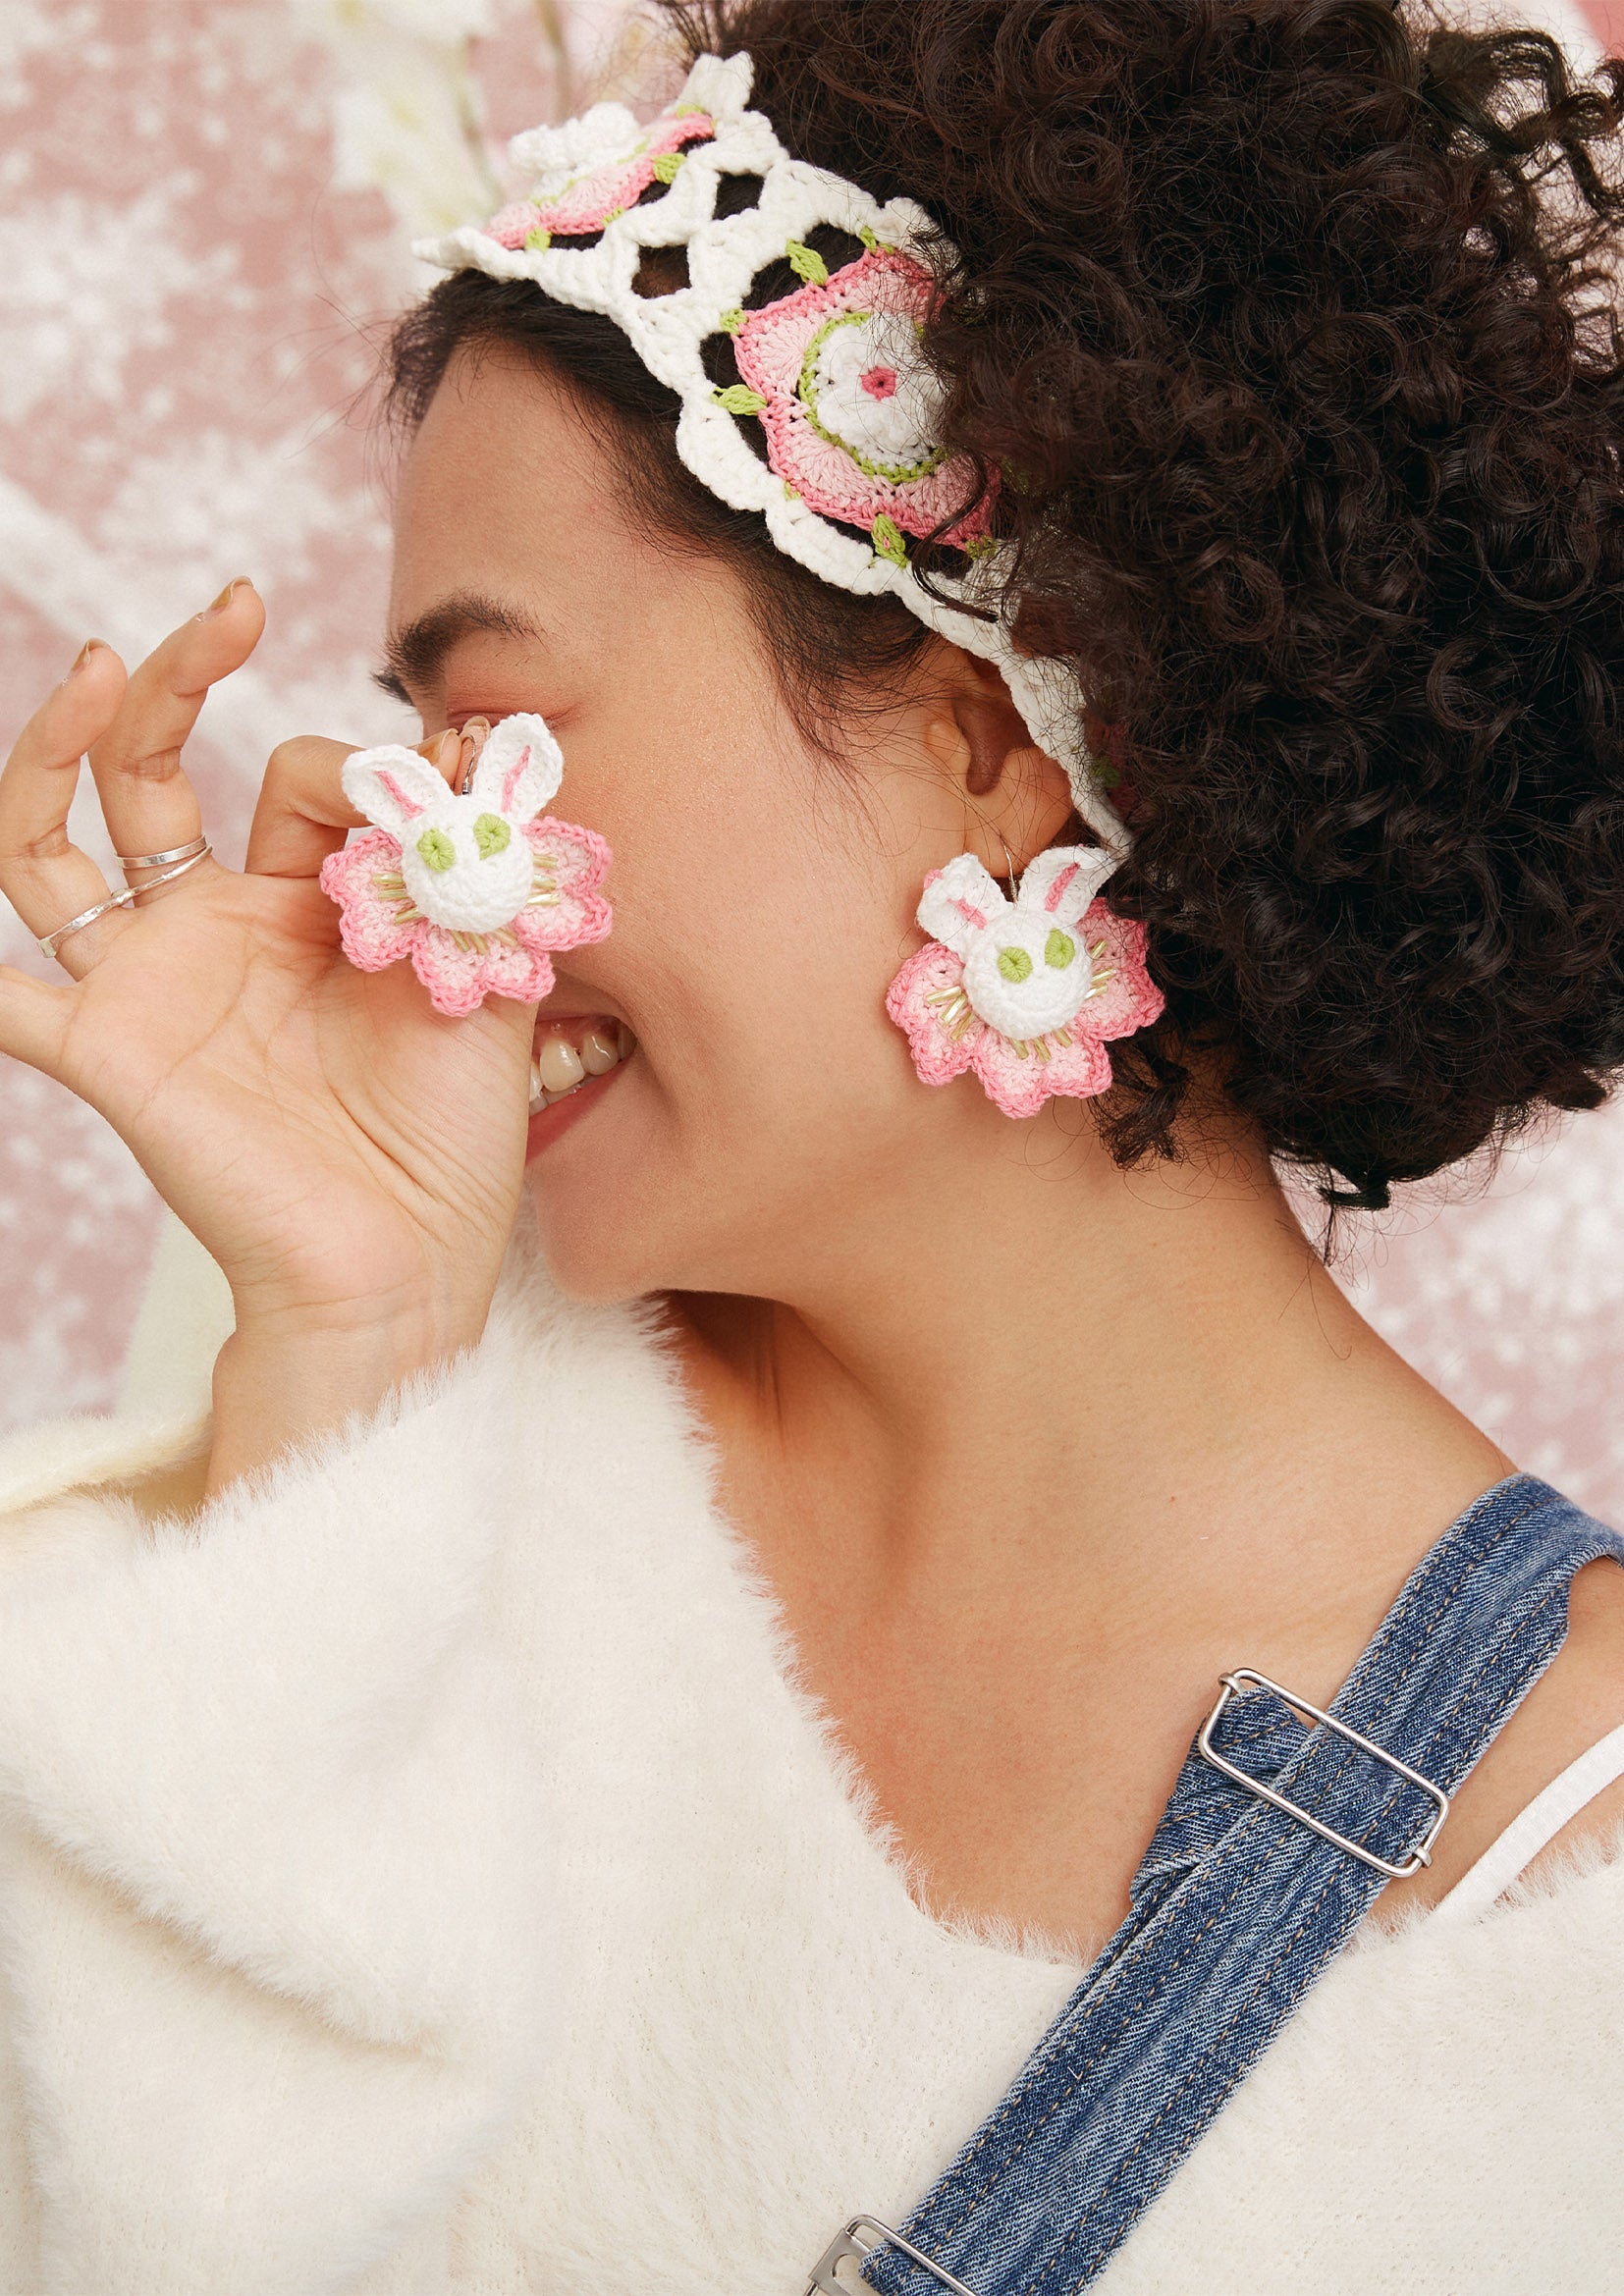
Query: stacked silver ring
{"x": 174, "y": 862}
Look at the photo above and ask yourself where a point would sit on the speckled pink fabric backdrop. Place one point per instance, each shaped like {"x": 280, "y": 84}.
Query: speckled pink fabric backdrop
{"x": 202, "y": 202}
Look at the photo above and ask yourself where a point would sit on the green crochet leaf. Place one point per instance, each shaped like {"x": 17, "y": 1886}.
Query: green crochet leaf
{"x": 739, "y": 398}
{"x": 806, "y": 263}
{"x": 667, "y": 165}
{"x": 887, "y": 538}
{"x": 538, "y": 242}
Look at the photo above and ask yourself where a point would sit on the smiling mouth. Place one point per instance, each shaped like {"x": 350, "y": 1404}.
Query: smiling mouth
{"x": 567, "y": 1055}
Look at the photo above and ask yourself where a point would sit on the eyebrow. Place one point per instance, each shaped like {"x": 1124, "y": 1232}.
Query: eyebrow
{"x": 414, "y": 655}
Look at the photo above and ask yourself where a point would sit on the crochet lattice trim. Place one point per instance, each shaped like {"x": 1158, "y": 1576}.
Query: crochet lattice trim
{"x": 849, "y": 411}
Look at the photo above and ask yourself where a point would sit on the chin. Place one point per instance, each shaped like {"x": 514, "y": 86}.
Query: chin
{"x": 588, "y": 1173}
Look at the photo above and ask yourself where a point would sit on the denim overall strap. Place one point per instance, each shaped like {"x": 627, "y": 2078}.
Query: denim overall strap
{"x": 1238, "y": 1907}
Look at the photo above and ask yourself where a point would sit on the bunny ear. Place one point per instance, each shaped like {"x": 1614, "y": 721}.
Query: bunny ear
{"x": 520, "y": 766}
{"x": 959, "y": 902}
{"x": 1062, "y": 882}
{"x": 393, "y": 786}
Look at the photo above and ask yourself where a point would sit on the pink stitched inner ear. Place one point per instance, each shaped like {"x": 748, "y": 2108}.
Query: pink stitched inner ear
{"x": 406, "y": 804}
{"x": 511, "y": 780}
{"x": 971, "y": 914}
{"x": 1052, "y": 900}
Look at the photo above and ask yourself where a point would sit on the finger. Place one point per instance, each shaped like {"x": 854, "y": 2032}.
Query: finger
{"x": 150, "y": 804}
{"x": 303, "y": 814}
{"x": 46, "y": 878}
{"x": 34, "y": 1020}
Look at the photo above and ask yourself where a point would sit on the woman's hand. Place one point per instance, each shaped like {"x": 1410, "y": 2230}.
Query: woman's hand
{"x": 350, "y": 1158}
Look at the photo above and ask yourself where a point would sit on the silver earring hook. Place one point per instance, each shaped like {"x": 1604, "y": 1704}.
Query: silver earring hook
{"x": 1009, "y": 861}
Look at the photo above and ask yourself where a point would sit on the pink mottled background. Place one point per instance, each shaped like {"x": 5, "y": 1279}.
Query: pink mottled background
{"x": 202, "y": 205}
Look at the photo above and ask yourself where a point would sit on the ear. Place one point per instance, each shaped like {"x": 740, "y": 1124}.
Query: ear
{"x": 1062, "y": 882}
{"x": 520, "y": 766}
{"x": 993, "y": 729}
{"x": 1018, "y": 797}
{"x": 393, "y": 787}
{"x": 960, "y": 902}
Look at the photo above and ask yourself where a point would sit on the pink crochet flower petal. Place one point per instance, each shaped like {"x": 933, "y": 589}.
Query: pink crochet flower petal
{"x": 369, "y": 925}
{"x": 595, "y": 199}
{"x": 1019, "y": 1084}
{"x": 771, "y": 349}
{"x": 1130, "y": 999}
{"x": 459, "y": 971}
{"x": 459, "y": 978}
{"x": 580, "y": 860}
{"x": 939, "y": 1054}
{"x": 511, "y": 225}
{"x": 1072, "y": 1063}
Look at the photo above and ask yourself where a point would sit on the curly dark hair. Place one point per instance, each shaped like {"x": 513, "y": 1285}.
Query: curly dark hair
{"x": 1289, "y": 327}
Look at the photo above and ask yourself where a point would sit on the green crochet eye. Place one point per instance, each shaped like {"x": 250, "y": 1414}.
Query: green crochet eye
{"x": 1014, "y": 964}
{"x": 491, "y": 835}
{"x": 436, "y": 849}
{"x": 1059, "y": 950}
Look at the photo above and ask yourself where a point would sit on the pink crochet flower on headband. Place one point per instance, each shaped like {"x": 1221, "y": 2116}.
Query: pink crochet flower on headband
{"x": 477, "y": 888}
{"x": 592, "y": 170}
{"x": 1023, "y": 992}
{"x": 851, "y": 413}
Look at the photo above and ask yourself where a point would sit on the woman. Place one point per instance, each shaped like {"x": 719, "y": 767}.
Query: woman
{"x": 652, "y": 1686}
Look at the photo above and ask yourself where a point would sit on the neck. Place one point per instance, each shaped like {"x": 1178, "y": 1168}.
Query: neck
{"x": 1032, "y": 1349}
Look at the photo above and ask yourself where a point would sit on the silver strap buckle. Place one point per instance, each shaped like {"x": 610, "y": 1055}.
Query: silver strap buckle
{"x": 850, "y": 2245}
{"x": 1422, "y": 1853}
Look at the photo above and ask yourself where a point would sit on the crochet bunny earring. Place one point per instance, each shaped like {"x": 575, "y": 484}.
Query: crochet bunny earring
{"x": 1025, "y": 992}
{"x": 477, "y": 888}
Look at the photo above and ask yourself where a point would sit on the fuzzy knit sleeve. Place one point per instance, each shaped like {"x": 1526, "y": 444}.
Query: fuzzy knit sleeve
{"x": 272, "y": 1905}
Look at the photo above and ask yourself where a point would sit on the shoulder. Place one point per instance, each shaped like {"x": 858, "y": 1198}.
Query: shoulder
{"x": 1579, "y": 1703}
{"x": 1576, "y": 1704}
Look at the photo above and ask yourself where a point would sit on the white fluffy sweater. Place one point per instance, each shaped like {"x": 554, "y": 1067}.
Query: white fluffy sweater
{"x": 422, "y": 1875}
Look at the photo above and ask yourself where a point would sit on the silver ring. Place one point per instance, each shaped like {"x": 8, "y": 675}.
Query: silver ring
{"x": 194, "y": 849}
{"x": 49, "y": 943}
{"x": 180, "y": 870}
{"x": 48, "y": 940}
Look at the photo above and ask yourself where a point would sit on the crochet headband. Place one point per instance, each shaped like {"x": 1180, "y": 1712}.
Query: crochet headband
{"x": 816, "y": 408}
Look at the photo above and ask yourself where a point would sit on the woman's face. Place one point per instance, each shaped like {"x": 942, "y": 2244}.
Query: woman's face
{"x": 770, "y": 1117}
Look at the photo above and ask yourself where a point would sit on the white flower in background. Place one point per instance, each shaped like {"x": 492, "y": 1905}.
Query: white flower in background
{"x": 442, "y": 23}
{"x": 406, "y": 115}
{"x": 410, "y": 129}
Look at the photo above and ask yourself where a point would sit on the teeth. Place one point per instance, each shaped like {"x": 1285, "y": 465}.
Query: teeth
{"x": 560, "y": 1064}
{"x": 559, "y": 1067}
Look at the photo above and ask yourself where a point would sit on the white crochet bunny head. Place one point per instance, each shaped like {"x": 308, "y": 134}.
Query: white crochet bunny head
{"x": 467, "y": 864}
{"x": 1027, "y": 970}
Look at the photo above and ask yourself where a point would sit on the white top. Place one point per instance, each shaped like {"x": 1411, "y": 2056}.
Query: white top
{"x": 1511, "y": 1855}
{"x": 422, "y": 1876}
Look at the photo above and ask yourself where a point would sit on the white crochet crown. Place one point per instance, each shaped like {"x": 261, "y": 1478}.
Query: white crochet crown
{"x": 852, "y": 476}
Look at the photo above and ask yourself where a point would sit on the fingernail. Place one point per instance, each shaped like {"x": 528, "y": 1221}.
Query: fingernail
{"x": 225, "y": 597}
{"x": 82, "y": 656}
